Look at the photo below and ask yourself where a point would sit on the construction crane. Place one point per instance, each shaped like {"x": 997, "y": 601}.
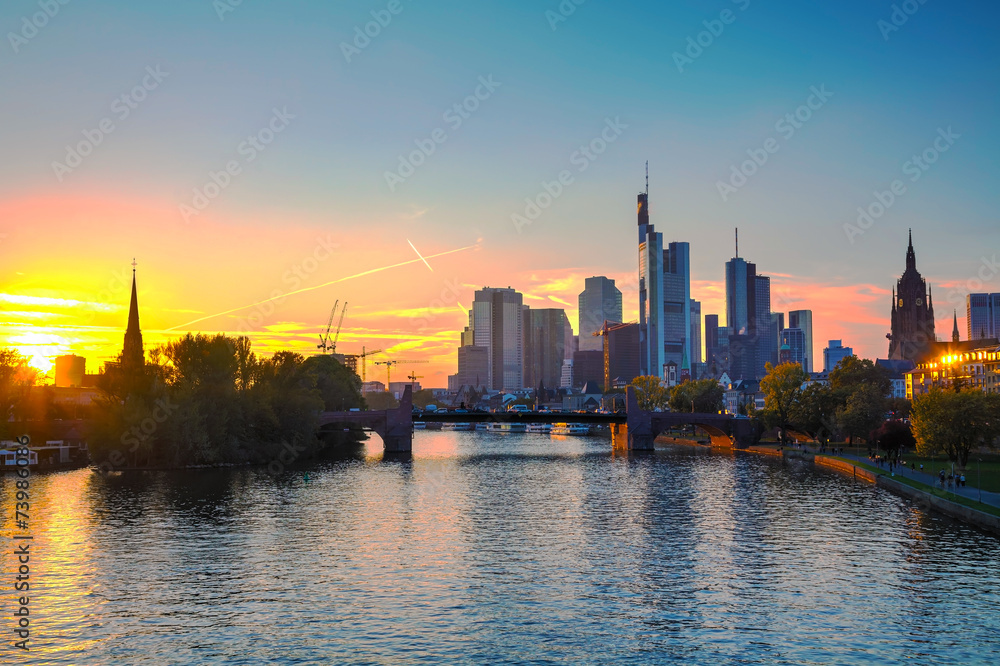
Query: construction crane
{"x": 413, "y": 377}
{"x": 351, "y": 361}
{"x": 324, "y": 339}
{"x": 606, "y": 329}
{"x": 388, "y": 368}
{"x": 336, "y": 336}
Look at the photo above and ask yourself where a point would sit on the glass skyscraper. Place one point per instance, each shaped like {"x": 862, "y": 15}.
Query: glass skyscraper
{"x": 497, "y": 324}
{"x": 599, "y": 301}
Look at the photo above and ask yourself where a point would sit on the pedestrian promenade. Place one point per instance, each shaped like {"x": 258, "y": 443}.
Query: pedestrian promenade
{"x": 969, "y": 491}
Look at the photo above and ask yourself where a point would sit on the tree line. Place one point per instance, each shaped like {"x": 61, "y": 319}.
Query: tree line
{"x": 204, "y": 400}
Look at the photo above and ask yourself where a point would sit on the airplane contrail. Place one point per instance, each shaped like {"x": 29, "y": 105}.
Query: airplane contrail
{"x": 319, "y": 286}
{"x": 421, "y": 256}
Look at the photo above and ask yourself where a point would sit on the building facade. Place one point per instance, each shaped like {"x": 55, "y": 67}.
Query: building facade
{"x": 803, "y": 320}
{"x": 835, "y": 351}
{"x": 793, "y": 347}
{"x": 545, "y": 346}
{"x": 599, "y": 301}
{"x": 982, "y": 316}
{"x": 650, "y": 292}
{"x": 677, "y": 305}
{"x": 497, "y": 324}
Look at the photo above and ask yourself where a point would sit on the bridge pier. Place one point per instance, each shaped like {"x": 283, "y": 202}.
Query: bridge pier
{"x": 639, "y": 427}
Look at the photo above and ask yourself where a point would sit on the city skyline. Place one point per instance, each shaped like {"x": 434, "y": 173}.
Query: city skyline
{"x": 314, "y": 205}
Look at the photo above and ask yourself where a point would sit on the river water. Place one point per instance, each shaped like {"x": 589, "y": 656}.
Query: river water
{"x": 499, "y": 548}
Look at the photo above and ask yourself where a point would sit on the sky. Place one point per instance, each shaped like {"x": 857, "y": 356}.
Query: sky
{"x": 243, "y": 151}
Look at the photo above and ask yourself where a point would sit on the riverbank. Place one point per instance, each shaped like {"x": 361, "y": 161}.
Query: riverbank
{"x": 982, "y": 514}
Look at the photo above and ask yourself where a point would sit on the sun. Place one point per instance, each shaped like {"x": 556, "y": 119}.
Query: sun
{"x": 40, "y": 348}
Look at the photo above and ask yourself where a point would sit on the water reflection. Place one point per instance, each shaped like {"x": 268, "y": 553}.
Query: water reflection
{"x": 502, "y": 548}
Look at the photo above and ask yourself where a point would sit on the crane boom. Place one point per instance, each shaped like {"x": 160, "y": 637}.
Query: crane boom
{"x": 333, "y": 347}
{"x": 325, "y": 339}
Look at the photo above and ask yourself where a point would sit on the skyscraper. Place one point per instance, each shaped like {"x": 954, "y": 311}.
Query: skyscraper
{"x": 677, "y": 305}
{"x": 767, "y": 326}
{"x": 912, "y": 318}
{"x": 833, "y": 353}
{"x": 497, "y": 323}
{"x": 650, "y": 292}
{"x": 599, "y": 301}
{"x": 695, "y": 336}
{"x": 982, "y": 316}
{"x": 545, "y": 346}
{"x": 741, "y": 317}
{"x": 741, "y": 297}
{"x": 712, "y": 343}
{"x": 793, "y": 347}
{"x": 803, "y": 320}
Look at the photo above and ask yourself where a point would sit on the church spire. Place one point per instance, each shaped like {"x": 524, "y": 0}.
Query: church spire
{"x": 955, "y": 337}
{"x": 132, "y": 355}
{"x": 911, "y": 257}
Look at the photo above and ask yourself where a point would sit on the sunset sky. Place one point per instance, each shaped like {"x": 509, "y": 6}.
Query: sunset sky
{"x": 307, "y": 206}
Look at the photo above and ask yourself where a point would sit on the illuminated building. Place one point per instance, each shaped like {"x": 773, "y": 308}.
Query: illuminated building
{"x": 971, "y": 364}
{"x": 833, "y": 353}
{"x": 803, "y": 320}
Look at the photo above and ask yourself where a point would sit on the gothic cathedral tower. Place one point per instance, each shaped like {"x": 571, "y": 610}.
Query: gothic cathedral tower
{"x": 912, "y": 314}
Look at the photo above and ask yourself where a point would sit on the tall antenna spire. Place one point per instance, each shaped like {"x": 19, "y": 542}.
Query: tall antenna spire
{"x": 737, "y": 242}
{"x": 647, "y": 179}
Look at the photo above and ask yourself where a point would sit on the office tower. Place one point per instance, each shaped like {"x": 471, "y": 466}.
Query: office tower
{"x": 621, "y": 355}
{"x": 566, "y": 379}
{"x": 588, "y": 366}
{"x": 803, "y": 320}
{"x": 695, "y": 337}
{"x": 545, "y": 347}
{"x": 833, "y": 353}
{"x": 497, "y": 322}
{"x": 793, "y": 347}
{"x": 677, "y": 306}
{"x": 912, "y": 317}
{"x": 767, "y": 331}
{"x": 650, "y": 292}
{"x": 982, "y": 316}
{"x": 599, "y": 301}
{"x": 711, "y": 339}
{"x": 741, "y": 297}
{"x": 741, "y": 317}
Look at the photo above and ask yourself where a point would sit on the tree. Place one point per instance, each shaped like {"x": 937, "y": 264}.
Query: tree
{"x": 380, "y": 401}
{"x": 339, "y": 387}
{"x": 852, "y": 372}
{"x": 650, "y": 393}
{"x": 815, "y": 412}
{"x": 955, "y": 423}
{"x": 16, "y": 380}
{"x": 701, "y": 395}
{"x": 781, "y": 387}
{"x": 862, "y": 412}
{"x": 892, "y": 437}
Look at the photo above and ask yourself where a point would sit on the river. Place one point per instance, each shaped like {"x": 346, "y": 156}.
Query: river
{"x": 499, "y": 548}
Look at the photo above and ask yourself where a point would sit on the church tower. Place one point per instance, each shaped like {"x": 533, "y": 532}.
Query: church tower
{"x": 912, "y": 317}
{"x": 132, "y": 355}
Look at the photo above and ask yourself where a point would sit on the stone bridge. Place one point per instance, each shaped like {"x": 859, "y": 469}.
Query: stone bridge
{"x": 635, "y": 430}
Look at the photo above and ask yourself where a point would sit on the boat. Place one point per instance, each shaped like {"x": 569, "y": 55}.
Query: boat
{"x": 433, "y": 425}
{"x": 459, "y": 426}
{"x": 508, "y": 427}
{"x": 569, "y": 429}
{"x": 539, "y": 427}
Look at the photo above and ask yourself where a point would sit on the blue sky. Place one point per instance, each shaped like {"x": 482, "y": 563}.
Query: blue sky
{"x": 352, "y": 121}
